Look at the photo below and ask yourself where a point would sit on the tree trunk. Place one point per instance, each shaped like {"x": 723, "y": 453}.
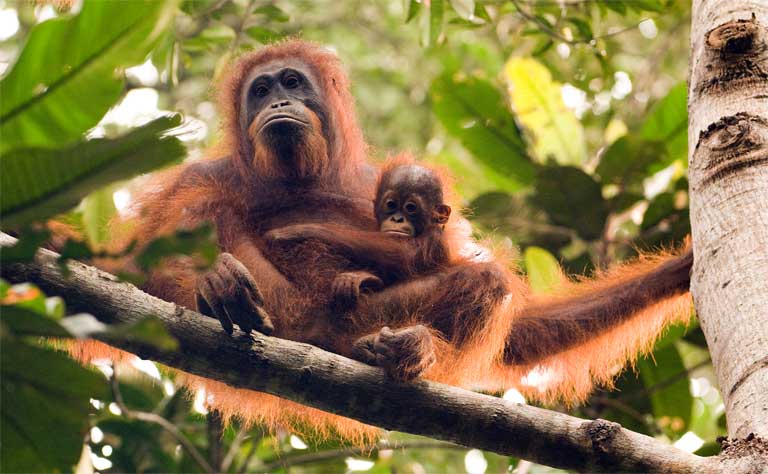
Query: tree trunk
{"x": 728, "y": 158}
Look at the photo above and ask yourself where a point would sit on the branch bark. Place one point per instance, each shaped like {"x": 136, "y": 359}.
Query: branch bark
{"x": 311, "y": 376}
{"x": 728, "y": 156}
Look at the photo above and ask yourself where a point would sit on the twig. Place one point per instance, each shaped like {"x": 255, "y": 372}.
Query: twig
{"x": 554, "y": 34}
{"x": 158, "y": 420}
{"x": 247, "y": 460}
{"x": 215, "y": 431}
{"x": 233, "y": 449}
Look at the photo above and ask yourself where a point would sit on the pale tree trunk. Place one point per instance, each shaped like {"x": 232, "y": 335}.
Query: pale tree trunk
{"x": 728, "y": 157}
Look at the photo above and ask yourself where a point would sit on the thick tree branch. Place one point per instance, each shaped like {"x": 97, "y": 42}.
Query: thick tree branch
{"x": 311, "y": 376}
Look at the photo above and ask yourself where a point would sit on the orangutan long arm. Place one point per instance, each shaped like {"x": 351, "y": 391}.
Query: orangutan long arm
{"x": 335, "y": 383}
{"x": 388, "y": 253}
{"x": 549, "y": 326}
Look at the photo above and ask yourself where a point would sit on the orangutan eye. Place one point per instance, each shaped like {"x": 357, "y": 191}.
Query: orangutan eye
{"x": 291, "y": 81}
{"x": 260, "y": 90}
{"x": 411, "y": 207}
{"x": 391, "y": 205}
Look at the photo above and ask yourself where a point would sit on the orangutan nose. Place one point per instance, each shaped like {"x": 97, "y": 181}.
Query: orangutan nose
{"x": 282, "y": 103}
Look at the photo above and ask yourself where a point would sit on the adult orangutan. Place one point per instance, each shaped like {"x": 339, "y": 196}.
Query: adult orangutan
{"x": 293, "y": 154}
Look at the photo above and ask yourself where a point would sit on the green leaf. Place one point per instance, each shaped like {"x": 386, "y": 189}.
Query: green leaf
{"x": 615, "y": 5}
{"x": 65, "y": 77}
{"x": 472, "y": 110}
{"x": 660, "y": 207}
{"x": 38, "y": 183}
{"x": 667, "y": 122}
{"x": 481, "y": 12}
{"x": 29, "y": 241}
{"x": 646, "y": 5}
{"x": 585, "y": 30}
{"x": 436, "y": 15}
{"x": 544, "y": 274}
{"x": 538, "y": 104}
{"x": 44, "y": 414}
{"x": 183, "y": 242}
{"x": 25, "y": 322}
{"x": 263, "y": 35}
{"x": 628, "y": 160}
{"x": 273, "y": 13}
{"x": 147, "y": 331}
{"x": 98, "y": 209}
{"x": 671, "y": 400}
{"x": 414, "y": 7}
{"x": 573, "y": 199}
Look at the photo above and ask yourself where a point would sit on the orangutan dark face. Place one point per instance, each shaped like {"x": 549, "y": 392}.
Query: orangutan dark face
{"x": 409, "y": 201}
{"x": 286, "y": 119}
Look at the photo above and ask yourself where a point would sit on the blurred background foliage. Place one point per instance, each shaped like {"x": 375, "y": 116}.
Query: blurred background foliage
{"x": 564, "y": 122}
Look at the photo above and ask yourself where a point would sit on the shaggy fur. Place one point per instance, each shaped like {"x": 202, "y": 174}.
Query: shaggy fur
{"x": 486, "y": 328}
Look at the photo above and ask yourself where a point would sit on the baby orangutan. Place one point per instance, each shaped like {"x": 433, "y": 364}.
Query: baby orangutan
{"x": 411, "y": 215}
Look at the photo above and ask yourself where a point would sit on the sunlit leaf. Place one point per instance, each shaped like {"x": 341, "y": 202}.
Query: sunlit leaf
{"x": 667, "y": 122}
{"x": 414, "y": 7}
{"x": 38, "y": 183}
{"x": 262, "y": 35}
{"x": 615, "y": 5}
{"x": 65, "y": 77}
{"x": 544, "y": 274}
{"x": 538, "y": 104}
{"x": 272, "y": 12}
{"x": 436, "y": 15}
{"x": 472, "y": 110}
{"x": 98, "y": 209}
{"x": 645, "y": 5}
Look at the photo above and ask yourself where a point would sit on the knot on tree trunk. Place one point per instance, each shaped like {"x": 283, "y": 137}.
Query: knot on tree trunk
{"x": 602, "y": 433}
{"x": 734, "y": 37}
{"x": 732, "y": 143}
{"x": 732, "y": 58}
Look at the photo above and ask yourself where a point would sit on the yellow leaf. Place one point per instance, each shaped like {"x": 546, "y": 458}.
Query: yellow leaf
{"x": 537, "y": 101}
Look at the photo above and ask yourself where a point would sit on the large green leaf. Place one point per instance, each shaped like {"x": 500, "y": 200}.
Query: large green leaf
{"x": 544, "y": 274}
{"x": 44, "y": 414}
{"x": 65, "y": 77}
{"x": 98, "y": 209}
{"x": 39, "y": 183}
{"x": 667, "y": 122}
{"x": 628, "y": 161}
{"x": 538, "y": 104}
{"x": 573, "y": 199}
{"x": 473, "y": 110}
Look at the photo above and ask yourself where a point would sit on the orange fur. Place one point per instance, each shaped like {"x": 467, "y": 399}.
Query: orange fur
{"x": 580, "y": 337}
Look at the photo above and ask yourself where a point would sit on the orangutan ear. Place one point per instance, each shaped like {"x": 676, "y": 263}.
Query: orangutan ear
{"x": 442, "y": 213}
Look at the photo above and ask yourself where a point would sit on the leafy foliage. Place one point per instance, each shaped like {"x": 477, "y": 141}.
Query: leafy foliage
{"x": 537, "y": 102}
{"x": 63, "y": 81}
{"x": 74, "y": 172}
